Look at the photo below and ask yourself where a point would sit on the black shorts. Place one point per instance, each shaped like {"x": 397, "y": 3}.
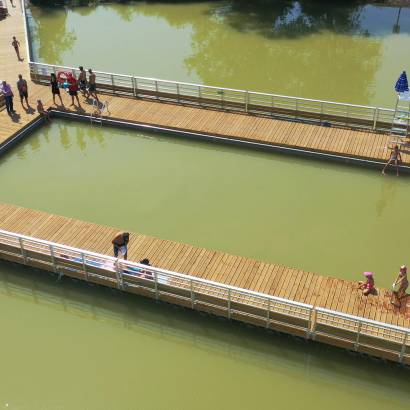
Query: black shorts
{"x": 91, "y": 87}
{"x": 83, "y": 84}
{"x": 23, "y": 94}
{"x": 73, "y": 93}
{"x": 55, "y": 91}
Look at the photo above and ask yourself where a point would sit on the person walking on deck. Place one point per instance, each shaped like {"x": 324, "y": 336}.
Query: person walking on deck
{"x": 91, "y": 85}
{"x": 395, "y": 157}
{"x": 120, "y": 244}
{"x": 8, "y": 96}
{"x": 82, "y": 80}
{"x": 23, "y": 90}
{"x": 16, "y": 44}
{"x": 400, "y": 286}
{"x": 55, "y": 90}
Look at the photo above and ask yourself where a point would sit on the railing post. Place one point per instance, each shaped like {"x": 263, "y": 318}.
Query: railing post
{"x": 178, "y": 91}
{"x": 200, "y": 95}
{"x": 118, "y": 272}
{"x": 312, "y": 323}
{"x": 229, "y": 303}
{"x": 347, "y": 115}
{"x": 356, "y": 345}
{"x": 156, "y": 285}
{"x": 84, "y": 266}
{"x": 375, "y": 118}
{"x": 272, "y": 103}
{"x": 222, "y": 98}
{"x": 296, "y": 108}
{"x": 321, "y": 111}
{"x": 53, "y": 260}
{"x": 268, "y": 315}
{"x": 403, "y": 348}
{"x": 192, "y": 294}
{"x": 112, "y": 83}
{"x": 246, "y": 100}
{"x": 156, "y": 89}
{"x": 23, "y": 252}
{"x": 134, "y": 88}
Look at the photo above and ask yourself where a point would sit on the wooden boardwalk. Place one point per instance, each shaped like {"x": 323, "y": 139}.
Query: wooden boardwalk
{"x": 243, "y": 127}
{"x": 272, "y": 279}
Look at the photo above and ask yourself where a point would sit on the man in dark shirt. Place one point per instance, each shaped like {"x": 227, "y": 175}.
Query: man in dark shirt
{"x": 23, "y": 90}
{"x": 120, "y": 243}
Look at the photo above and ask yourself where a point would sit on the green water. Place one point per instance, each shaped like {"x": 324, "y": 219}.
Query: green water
{"x": 68, "y": 345}
{"x": 346, "y": 51}
{"x": 331, "y": 219}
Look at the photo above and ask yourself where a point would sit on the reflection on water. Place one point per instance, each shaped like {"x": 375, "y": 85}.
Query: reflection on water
{"x": 91, "y": 313}
{"x": 343, "y": 51}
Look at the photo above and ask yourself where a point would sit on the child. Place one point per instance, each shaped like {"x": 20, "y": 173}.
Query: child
{"x": 395, "y": 157}
{"x": 42, "y": 111}
{"x": 368, "y": 286}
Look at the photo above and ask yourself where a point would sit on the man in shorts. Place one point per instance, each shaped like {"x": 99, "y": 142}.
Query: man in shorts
{"x": 16, "y": 44}
{"x": 120, "y": 244}
{"x": 23, "y": 90}
{"x": 73, "y": 89}
{"x": 82, "y": 80}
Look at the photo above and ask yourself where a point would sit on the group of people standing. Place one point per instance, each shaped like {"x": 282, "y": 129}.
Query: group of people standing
{"x": 86, "y": 86}
{"x": 22, "y": 89}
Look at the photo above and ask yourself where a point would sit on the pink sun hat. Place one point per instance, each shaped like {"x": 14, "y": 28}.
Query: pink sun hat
{"x": 368, "y": 274}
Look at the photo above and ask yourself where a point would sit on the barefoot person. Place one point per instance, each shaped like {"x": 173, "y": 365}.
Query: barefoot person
{"x": 368, "y": 286}
{"x": 55, "y": 90}
{"x": 73, "y": 90}
{"x": 82, "y": 80}
{"x": 6, "y": 90}
{"x": 91, "y": 85}
{"x": 16, "y": 44}
{"x": 395, "y": 157}
{"x": 23, "y": 90}
{"x": 42, "y": 111}
{"x": 120, "y": 243}
{"x": 400, "y": 286}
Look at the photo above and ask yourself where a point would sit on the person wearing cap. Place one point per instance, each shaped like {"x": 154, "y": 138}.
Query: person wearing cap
{"x": 368, "y": 286}
{"x": 400, "y": 286}
{"x": 120, "y": 243}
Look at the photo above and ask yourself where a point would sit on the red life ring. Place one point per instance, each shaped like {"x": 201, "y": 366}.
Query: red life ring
{"x": 65, "y": 76}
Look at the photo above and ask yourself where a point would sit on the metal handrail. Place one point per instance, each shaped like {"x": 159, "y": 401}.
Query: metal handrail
{"x": 120, "y": 274}
{"x": 375, "y": 118}
{"x": 158, "y": 270}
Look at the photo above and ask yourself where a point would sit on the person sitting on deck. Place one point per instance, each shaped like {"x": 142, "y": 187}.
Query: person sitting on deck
{"x": 395, "y": 157}
{"x": 42, "y": 111}
{"x": 120, "y": 243}
{"x": 148, "y": 275}
{"x": 368, "y": 286}
{"x": 400, "y": 286}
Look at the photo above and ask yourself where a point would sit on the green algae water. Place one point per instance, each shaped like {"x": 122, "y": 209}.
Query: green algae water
{"x": 331, "y": 219}
{"x": 69, "y": 345}
{"x": 347, "y": 51}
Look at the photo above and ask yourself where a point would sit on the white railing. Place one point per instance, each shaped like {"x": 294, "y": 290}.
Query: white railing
{"x": 245, "y": 305}
{"x": 357, "y": 116}
{"x": 295, "y": 108}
